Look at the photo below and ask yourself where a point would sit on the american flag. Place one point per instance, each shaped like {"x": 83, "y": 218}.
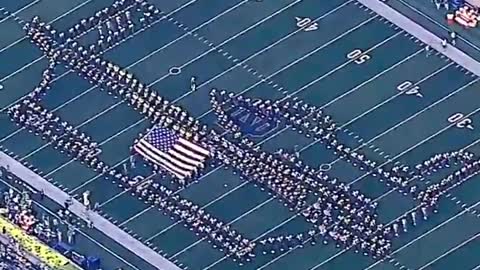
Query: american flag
{"x": 170, "y": 151}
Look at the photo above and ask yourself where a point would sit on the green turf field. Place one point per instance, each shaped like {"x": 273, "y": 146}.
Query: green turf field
{"x": 256, "y": 48}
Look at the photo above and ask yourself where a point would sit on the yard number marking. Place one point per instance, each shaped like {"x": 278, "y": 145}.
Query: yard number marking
{"x": 409, "y": 88}
{"x": 358, "y": 56}
{"x": 306, "y": 24}
{"x": 460, "y": 121}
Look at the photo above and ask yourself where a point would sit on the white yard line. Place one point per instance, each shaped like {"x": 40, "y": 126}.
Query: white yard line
{"x": 382, "y": 196}
{"x": 291, "y": 64}
{"x": 120, "y": 102}
{"x": 427, "y": 233}
{"x": 423, "y": 34}
{"x": 450, "y": 251}
{"x": 93, "y": 87}
{"x": 244, "y": 183}
{"x": 217, "y": 198}
{"x": 372, "y": 79}
{"x": 166, "y": 46}
{"x": 54, "y": 20}
{"x": 354, "y": 181}
{"x": 397, "y": 95}
{"x": 184, "y": 35}
{"x": 14, "y": 14}
{"x": 100, "y": 223}
{"x": 100, "y": 144}
{"x": 229, "y": 223}
{"x": 135, "y": 216}
{"x": 403, "y": 121}
{"x": 173, "y": 102}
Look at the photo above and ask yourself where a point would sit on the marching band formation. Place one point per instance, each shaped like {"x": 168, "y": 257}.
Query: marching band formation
{"x": 340, "y": 214}
{"x": 337, "y": 213}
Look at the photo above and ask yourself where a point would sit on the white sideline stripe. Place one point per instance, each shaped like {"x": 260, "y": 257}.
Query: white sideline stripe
{"x": 115, "y": 135}
{"x": 438, "y": 24}
{"x": 423, "y": 34}
{"x": 77, "y": 229}
{"x": 99, "y": 222}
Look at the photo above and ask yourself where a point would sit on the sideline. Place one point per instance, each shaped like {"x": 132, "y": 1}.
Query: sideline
{"x": 77, "y": 208}
{"x": 423, "y": 34}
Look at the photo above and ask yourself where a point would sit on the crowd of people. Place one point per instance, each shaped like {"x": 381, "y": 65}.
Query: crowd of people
{"x": 18, "y": 209}
{"x": 60, "y": 134}
{"x": 113, "y": 24}
{"x": 123, "y": 84}
{"x": 12, "y": 257}
{"x": 106, "y": 76}
{"x": 470, "y": 166}
{"x": 338, "y": 214}
{"x": 345, "y": 216}
{"x": 219, "y": 233}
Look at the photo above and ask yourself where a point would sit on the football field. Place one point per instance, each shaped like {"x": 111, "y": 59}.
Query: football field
{"x": 396, "y": 103}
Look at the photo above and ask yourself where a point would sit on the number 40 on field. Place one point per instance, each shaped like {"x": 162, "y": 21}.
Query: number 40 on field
{"x": 306, "y": 24}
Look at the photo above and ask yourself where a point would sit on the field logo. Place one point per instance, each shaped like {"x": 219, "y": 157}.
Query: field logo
{"x": 250, "y": 123}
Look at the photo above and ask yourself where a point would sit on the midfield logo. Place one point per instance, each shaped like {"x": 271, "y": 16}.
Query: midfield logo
{"x": 250, "y": 123}
{"x": 266, "y": 115}
{"x": 259, "y": 118}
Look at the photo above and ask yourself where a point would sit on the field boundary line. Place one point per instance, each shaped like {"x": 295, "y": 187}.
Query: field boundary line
{"x": 423, "y": 34}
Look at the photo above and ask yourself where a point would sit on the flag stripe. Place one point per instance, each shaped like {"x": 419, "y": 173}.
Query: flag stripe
{"x": 181, "y": 157}
{"x": 187, "y": 153}
{"x": 167, "y": 149}
{"x": 157, "y": 160}
{"x": 195, "y": 147}
{"x": 172, "y": 161}
{"x": 145, "y": 152}
{"x": 170, "y": 158}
